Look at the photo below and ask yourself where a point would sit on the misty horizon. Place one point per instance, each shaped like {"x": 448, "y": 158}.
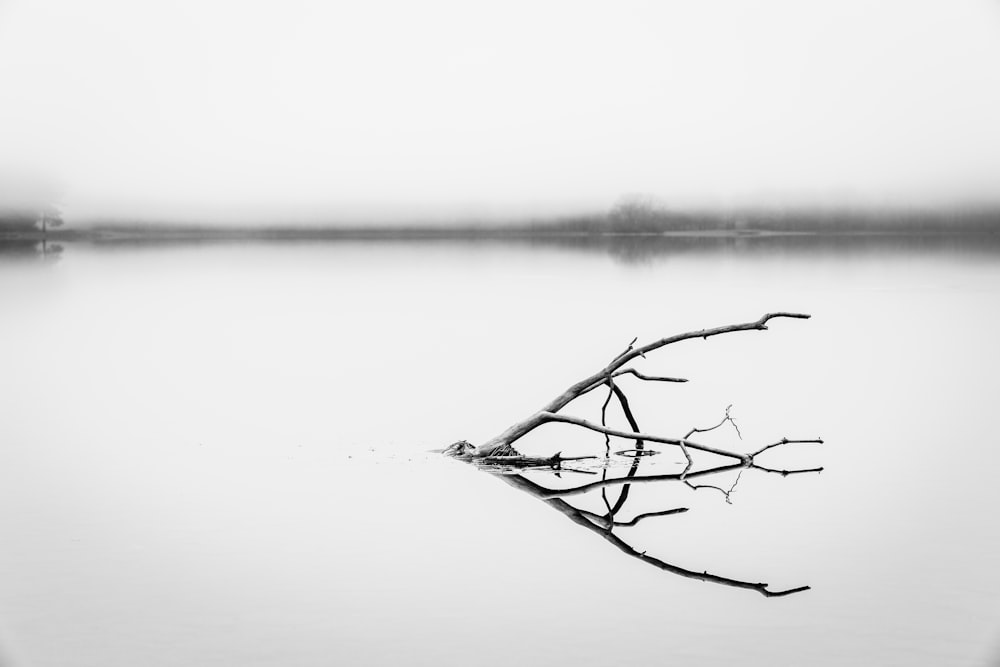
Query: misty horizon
{"x": 218, "y": 111}
{"x": 621, "y": 215}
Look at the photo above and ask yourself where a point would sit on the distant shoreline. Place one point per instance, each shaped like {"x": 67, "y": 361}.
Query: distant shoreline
{"x": 173, "y": 234}
{"x": 629, "y": 218}
{"x": 630, "y": 247}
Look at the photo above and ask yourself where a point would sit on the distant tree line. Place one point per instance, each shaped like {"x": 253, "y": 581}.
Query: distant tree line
{"x": 642, "y": 215}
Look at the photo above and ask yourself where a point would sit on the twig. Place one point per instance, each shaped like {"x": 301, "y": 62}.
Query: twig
{"x": 684, "y": 440}
{"x": 786, "y": 473}
{"x": 605, "y": 522}
{"x": 604, "y": 407}
{"x": 786, "y": 441}
{"x": 721, "y": 490}
{"x": 647, "y": 515}
{"x": 648, "y": 378}
{"x": 627, "y": 349}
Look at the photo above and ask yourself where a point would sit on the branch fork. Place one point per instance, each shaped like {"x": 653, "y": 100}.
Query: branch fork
{"x": 503, "y": 444}
{"x": 499, "y": 456}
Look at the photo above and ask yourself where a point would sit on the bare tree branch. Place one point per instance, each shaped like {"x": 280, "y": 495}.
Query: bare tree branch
{"x": 684, "y": 440}
{"x": 639, "y": 517}
{"x": 499, "y": 457}
{"x": 503, "y": 442}
{"x": 724, "y": 492}
{"x": 607, "y": 523}
{"x": 604, "y": 407}
{"x": 678, "y": 442}
{"x": 725, "y": 419}
{"x": 668, "y": 477}
{"x": 521, "y": 461}
{"x": 759, "y": 325}
{"x": 620, "y": 481}
{"x": 786, "y": 441}
{"x": 647, "y": 378}
{"x": 629, "y": 371}
{"x": 631, "y": 346}
{"x": 786, "y": 473}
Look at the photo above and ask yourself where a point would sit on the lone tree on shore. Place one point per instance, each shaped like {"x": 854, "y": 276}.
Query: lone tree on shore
{"x": 49, "y": 217}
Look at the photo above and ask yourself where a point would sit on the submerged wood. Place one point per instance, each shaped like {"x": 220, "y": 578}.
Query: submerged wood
{"x": 499, "y": 457}
{"x": 606, "y": 525}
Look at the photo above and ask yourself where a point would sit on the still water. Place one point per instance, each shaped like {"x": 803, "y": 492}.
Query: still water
{"x": 218, "y": 455}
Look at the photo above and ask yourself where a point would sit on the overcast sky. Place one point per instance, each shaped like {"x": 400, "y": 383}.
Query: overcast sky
{"x": 394, "y": 109}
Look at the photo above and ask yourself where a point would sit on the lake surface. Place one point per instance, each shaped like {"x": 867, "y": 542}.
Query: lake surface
{"x": 217, "y": 454}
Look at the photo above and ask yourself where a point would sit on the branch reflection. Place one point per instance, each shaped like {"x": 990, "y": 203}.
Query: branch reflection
{"x": 605, "y": 525}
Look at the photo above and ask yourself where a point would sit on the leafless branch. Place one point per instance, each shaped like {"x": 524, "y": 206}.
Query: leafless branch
{"x": 628, "y": 371}
{"x": 786, "y": 473}
{"x": 608, "y": 523}
{"x": 726, "y": 494}
{"x": 786, "y": 441}
{"x": 759, "y": 325}
{"x": 501, "y": 458}
{"x": 648, "y": 378}
{"x": 685, "y": 439}
{"x": 634, "y": 521}
{"x": 725, "y": 419}
{"x": 678, "y": 442}
{"x": 503, "y": 442}
{"x": 631, "y": 346}
{"x": 667, "y": 477}
{"x": 604, "y": 407}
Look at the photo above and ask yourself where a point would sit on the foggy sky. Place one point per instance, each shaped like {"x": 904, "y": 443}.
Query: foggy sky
{"x": 402, "y": 110}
